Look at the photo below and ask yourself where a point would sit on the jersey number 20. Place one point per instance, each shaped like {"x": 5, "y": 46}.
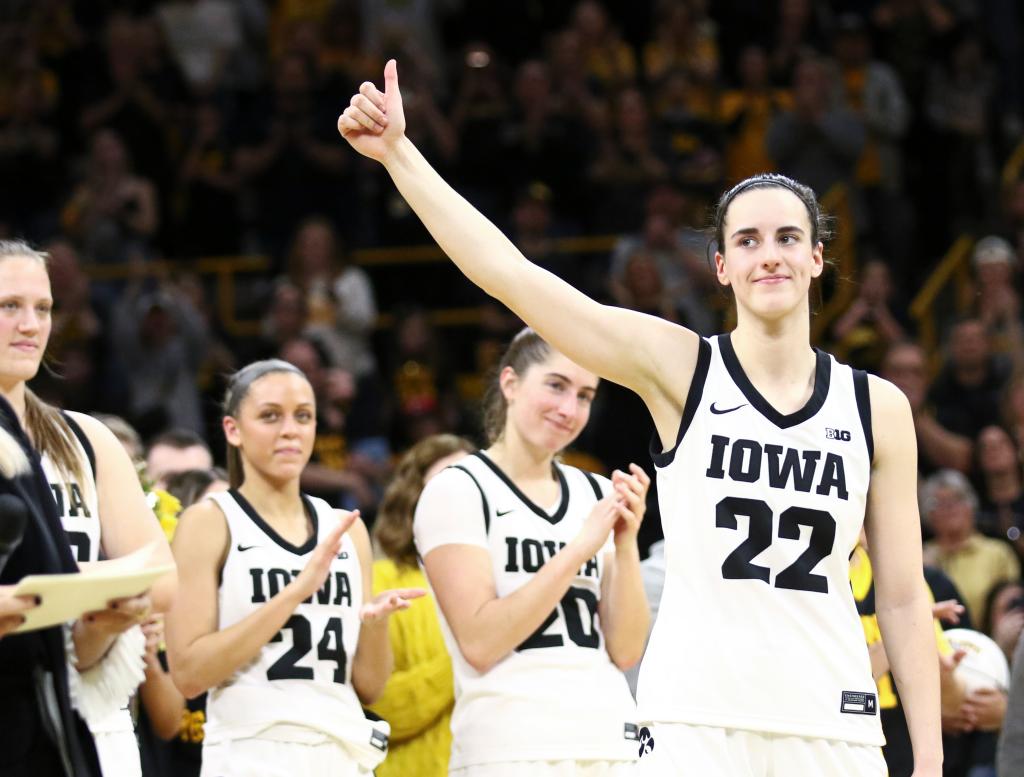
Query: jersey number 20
{"x": 586, "y": 636}
{"x": 739, "y": 565}
{"x": 287, "y": 666}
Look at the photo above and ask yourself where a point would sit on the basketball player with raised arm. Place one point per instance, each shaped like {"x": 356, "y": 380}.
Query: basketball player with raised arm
{"x": 770, "y": 456}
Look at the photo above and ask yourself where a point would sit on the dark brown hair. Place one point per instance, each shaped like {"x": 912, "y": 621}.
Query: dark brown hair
{"x": 238, "y": 388}
{"x": 392, "y": 530}
{"x": 526, "y": 349}
{"x": 821, "y": 226}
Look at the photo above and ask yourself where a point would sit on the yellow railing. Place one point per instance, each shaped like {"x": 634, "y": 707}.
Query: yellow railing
{"x": 954, "y": 268}
{"x": 225, "y": 269}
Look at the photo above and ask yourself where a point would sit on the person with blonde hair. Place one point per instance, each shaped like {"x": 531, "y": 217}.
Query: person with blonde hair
{"x": 100, "y": 504}
{"x": 419, "y": 696}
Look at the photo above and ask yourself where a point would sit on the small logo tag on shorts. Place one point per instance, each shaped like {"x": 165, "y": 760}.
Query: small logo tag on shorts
{"x": 857, "y": 703}
{"x": 379, "y": 740}
{"x": 631, "y": 731}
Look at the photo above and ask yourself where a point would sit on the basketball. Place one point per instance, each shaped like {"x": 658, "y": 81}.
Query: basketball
{"x": 984, "y": 666}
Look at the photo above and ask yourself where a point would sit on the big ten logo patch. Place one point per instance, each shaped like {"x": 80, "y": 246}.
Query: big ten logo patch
{"x": 837, "y": 434}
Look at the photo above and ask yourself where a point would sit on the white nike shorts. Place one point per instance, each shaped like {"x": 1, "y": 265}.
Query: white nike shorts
{"x": 682, "y": 750}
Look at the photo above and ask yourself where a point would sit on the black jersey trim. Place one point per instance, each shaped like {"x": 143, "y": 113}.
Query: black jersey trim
{"x": 563, "y": 504}
{"x": 483, "y": 496}
{"x": 593, "y": 484}
{"x": 77, "y": 430}
{"x": 822, "y": 378}
{"x": 298, "y": 550}
{"x": 862, "y": 392}
{"x": 693, "y": 397}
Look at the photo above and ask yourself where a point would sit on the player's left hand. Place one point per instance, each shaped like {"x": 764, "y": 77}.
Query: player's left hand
{"x": 120, "y": 615}
{"x": 387, "y": 602}
{"x": 631, "y": 489}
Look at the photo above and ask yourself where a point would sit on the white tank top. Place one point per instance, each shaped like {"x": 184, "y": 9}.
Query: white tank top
{"x": 298, "y": 688}
{"x": 557, "y": 695}
{"x": 758, "y": 628}
{"x": 77, "y": 500}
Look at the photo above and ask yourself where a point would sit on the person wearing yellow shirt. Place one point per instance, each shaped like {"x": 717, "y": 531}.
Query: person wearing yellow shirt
{"x": 897, "y": 750}
{"x": 419, "y": 696}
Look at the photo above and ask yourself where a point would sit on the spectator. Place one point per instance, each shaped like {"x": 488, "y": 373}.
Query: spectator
{"x": 76, "y": 339}
{"x": 817, "y": 142}
{"x": 134, "y": 95}
{"x": 871, "y": 324}
{"x": 906, "y": 366}
{"x": 339, "y": 296}
{"x": 746, "y": 113}
{"x": 286, "y": 156}
{"x": 330, "y": 473}
{"x": 958, "y": 107}
{"x": 629, "y": 160}
{"x": 975, "y": 563}
{"x": 684, "y": 38}
{"x": 1001, "y": 513}
{"x": 30, "y": 153}
{"x": 161, "y": 341}
{"x": 208, "y": 184}
{"x": 419, "y": 696}
{"x": 1006, "y": 615}
{"x": 171, "y": 727}
{"x": 609, "y": 61}
{"x": 998, "y": 303}
{"x": 540, "y": 141}
{"x": 873, "y": 92}
{"x": 203, "y": 36}
{"x": 176, "y": 450}
{"x": 966, "y": 392}
{"x": 112, "y": 212}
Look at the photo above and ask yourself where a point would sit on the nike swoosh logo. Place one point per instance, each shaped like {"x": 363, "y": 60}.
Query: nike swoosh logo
{"x": 716, "y": 411}
{"x": 503, "y": 512}
{"x": 243, "y": 548}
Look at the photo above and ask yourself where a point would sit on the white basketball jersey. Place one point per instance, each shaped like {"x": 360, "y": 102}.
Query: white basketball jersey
{"x": 298, "y": 688}
{"x": 77, "y": 501}
{"x": 557, "y": 695}
{"x": 758, "y": 628}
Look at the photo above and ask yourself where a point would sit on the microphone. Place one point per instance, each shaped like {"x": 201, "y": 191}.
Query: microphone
{"x": 13, "y": 516}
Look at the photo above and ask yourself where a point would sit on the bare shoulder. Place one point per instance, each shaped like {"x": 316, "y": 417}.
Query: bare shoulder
{"x": 99, "y": 435}
{"x": 204, "y": 524}
{"x": 892, "y": 423}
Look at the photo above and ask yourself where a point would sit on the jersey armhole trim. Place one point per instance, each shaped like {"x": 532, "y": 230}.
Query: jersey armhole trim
{"x": 83, "y": 439}
{"x": 483, "y": 497}
{"x": 593, "y": 484}
{"x": 862, "y": 392}
{"x": 693, "y": 397}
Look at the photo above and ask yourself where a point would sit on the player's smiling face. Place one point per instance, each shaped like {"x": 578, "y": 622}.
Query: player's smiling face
{"x": 25, "y": 307}
{"x": 550, "y": 404}
{"x": 769, "y": 256}
{"x": 275, "y": 426}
